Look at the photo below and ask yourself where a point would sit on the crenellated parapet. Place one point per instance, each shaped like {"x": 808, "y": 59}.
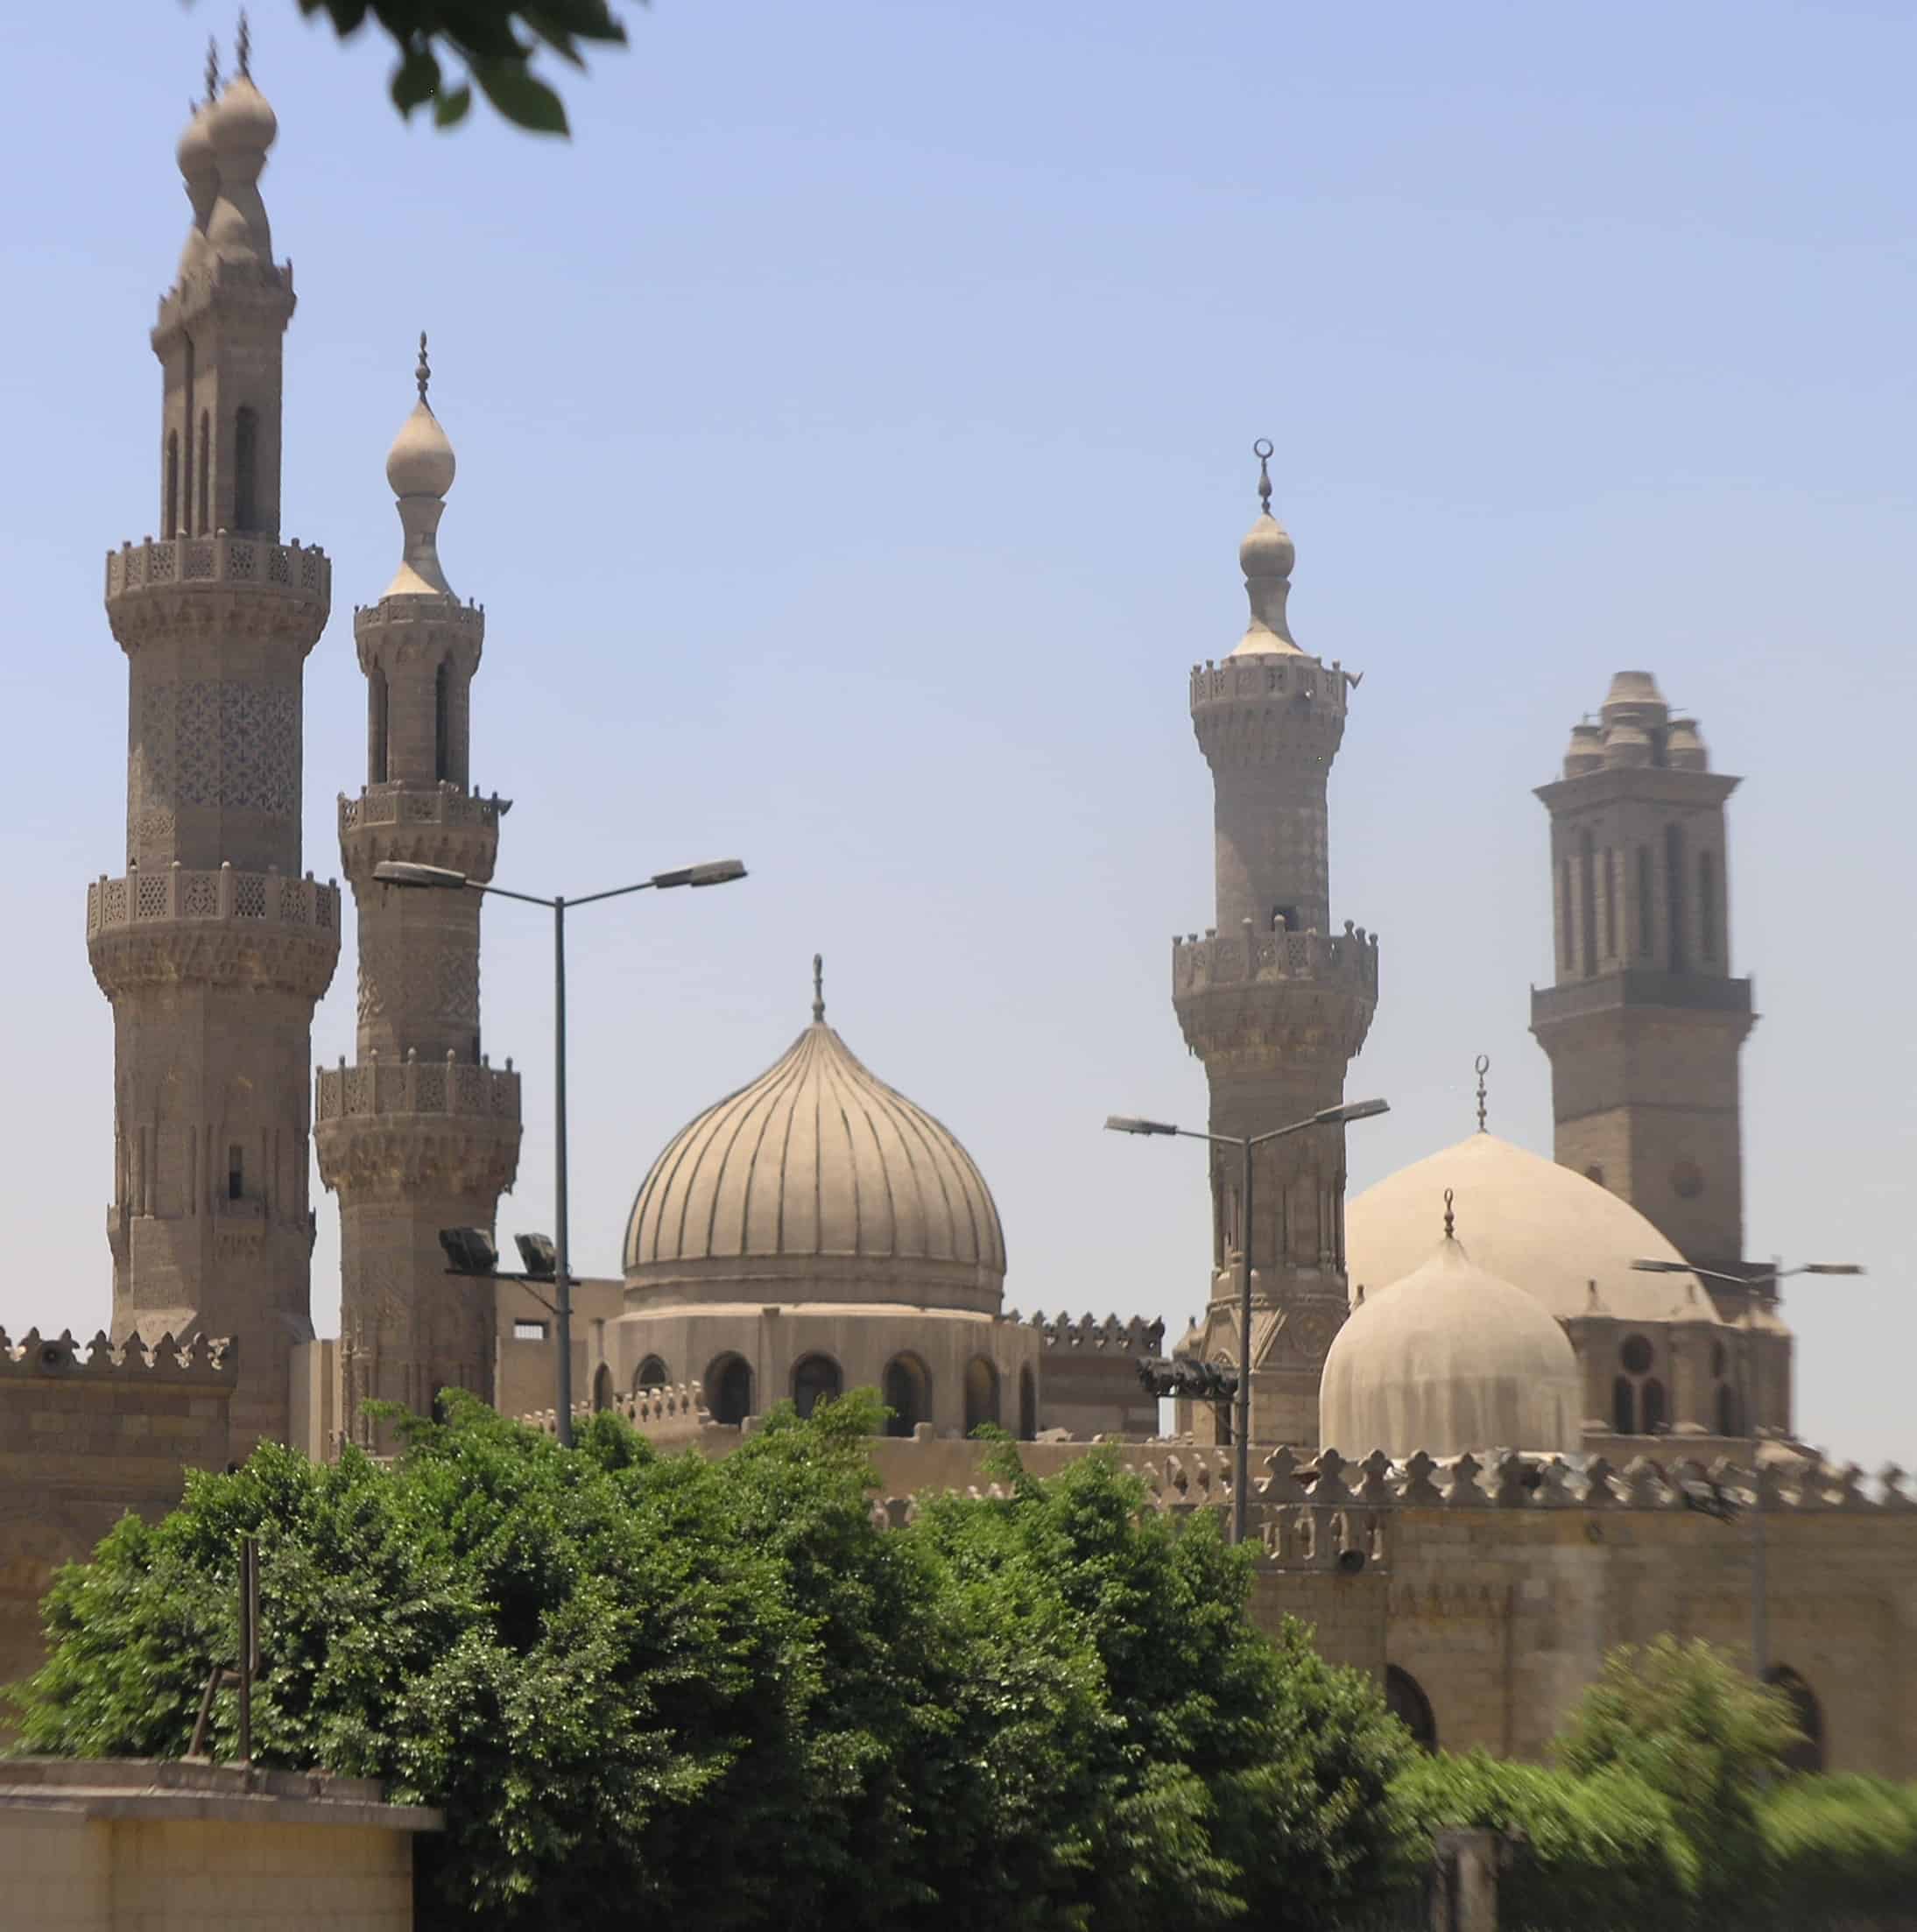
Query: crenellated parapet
{"x": 221, "y": 927}
{"x": 181, "y": 585}
{"x": 213, "y": 1361}
{"x": 1088, "y": 1335}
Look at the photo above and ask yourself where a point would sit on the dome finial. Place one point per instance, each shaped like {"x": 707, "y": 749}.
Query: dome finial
{"x": 1451, "y": 1220}
{"x": 243, "y": 49}
{"x": 1484, "y": 1066}
{"x": 212, "y": 70}
{"x": 1263, "y": 451}
{"x": 423, "y": 374}
{"x": 818, "y": 989}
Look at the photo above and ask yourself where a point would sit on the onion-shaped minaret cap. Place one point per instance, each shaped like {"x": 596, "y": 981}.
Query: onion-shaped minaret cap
{"x": 420, "y": 462}
{"x": 1266, "y": 557}
{"x": 419, "y": 467}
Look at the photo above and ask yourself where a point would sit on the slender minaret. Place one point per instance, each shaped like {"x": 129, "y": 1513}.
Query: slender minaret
{"x": 1645, "y": 1021}
{"x": 1271, "y": 1000}
{"x": 213, "y": 946}
{"x": 421, "y": 1134}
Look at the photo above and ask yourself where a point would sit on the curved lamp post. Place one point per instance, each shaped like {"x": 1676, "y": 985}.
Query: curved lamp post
{"x": 444, "y": 878}
{"x": 1326, "y": 1117}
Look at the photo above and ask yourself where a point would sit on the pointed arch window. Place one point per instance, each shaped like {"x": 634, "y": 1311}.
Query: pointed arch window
{"x": 376, "y": 725}
{"x": 245, "y": 468}
{"x": 1706, "y": 906}
{"x": 171, "y": 528}
{"x": 442, "y": 721}
{"x": 980, "y": 1394}
{"x": 1587, "y": 903}
{"x": 204, "y": 472}
{"x": 1673, "y": 893}
{"x": 1028, "y": 1404}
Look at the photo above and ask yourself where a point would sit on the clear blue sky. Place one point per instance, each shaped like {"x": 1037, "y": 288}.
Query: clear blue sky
{"x": 852, "y": 426}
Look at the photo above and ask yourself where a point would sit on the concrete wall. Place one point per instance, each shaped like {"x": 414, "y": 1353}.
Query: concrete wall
{"x": 140, "y": 1847}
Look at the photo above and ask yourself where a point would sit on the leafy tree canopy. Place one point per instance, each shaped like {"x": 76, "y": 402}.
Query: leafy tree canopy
{"x": 1041, "y": 1713}
{"x": 490, "y": 43}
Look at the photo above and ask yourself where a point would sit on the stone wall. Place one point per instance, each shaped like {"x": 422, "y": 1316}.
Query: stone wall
{"x": 85, "y": 1436}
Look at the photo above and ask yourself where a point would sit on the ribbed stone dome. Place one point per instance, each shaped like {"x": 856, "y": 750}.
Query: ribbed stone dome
{"x": 817, "y": 1181}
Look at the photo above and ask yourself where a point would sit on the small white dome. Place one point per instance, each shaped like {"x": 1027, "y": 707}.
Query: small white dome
{"x": 1448, "y": 1359}
{"x": 1531, "y": 1222}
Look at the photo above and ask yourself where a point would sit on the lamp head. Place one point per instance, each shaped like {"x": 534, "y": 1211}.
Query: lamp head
{"x": 1127, "y": 1123}
{"x": 1349, "y": 1110}
{"x": 399, "y": 871}
{"x": 715, "y": 871}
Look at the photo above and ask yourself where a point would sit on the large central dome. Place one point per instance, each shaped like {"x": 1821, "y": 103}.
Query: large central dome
{"x": 816, "y": 1182}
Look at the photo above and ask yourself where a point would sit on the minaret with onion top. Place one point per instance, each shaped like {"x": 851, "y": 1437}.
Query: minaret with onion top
{"x": 212, "y": 946}
{"x": 421, "y": 1132}
{"x": 1273, "y": 1000}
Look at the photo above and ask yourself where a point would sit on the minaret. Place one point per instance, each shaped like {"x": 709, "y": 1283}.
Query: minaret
{"x": 1645, "y": 1021}
{"x": 213, "y": 946}
{"x": 1271, "y": 1000}
{"x": 421, "y": 1134}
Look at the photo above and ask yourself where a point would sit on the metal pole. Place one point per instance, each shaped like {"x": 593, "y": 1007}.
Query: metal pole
{"x": 1760, "y": 1636}
{"x": 562, "y": 1284}
{"x": 248, "y": 1657}
{"x": 1241, "y": 1463}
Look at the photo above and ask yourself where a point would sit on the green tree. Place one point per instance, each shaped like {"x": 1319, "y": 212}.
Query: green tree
{"x": 491, "y": 43}
{"x": 1685, "y": 1721}
{"x": 1046, "y": 1712}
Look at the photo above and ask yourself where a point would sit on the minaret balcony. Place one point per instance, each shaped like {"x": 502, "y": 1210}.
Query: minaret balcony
{"x": 1247, "y": 957}
{"x": 417, "y": 1128}
{"x": 287, "y": 587}
{"x": 262, "y": 930}
{"x": 442, "y": 826}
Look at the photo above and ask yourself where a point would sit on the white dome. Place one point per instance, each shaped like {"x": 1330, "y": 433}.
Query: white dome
{"x": 1448, "y": 1359}
{"x": 1531, "y": 1222}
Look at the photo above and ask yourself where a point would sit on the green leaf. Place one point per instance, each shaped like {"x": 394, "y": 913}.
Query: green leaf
{"x": 450, "y": 109}
{"x": 521, "y": 96}
{"x": 416, "y": 79}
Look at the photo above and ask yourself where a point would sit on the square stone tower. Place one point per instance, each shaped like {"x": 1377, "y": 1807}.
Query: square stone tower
{"x": 1645, "y": 1021}
{"x": 212, "y": 947}
{"x": 1274, "y": 1002}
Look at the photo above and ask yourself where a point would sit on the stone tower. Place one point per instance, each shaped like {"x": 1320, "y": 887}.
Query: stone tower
{"x": 213, "y": 946}
{"x": 1273, "y": 1000}
{"x": 421, "y": 1134}
{"x": 1645, "y": 1021}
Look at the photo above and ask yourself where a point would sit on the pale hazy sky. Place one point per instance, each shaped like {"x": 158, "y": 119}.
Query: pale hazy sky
{"x": 852, "y": 426}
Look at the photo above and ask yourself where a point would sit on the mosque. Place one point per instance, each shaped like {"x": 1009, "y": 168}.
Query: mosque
{"x": 1484, "y": 1424}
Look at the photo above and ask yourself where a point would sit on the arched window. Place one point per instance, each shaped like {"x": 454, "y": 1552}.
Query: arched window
{"x": 1614, "y": 907}
{"x": 1636, "y": 1355}
{"x": 376, "y": 727}
{"x": 1673, "y": 893}
{"x": 1566, "y": 941}
{"x": 981, "y": 1394}
{"x": 235, "y": 1173}
{"x": 1808, "y": 1754}
{"x": 650, "y": 1374}
{"x": 815, "y": 1379}
{"x": 728, "y": 1390}
{"x": 1624, "y": 1406}
{"x": 205, "y": 471}
{"x": 1727, "y": 1410}
{"x": 1653, "y": 1407}
{"x": 245, "y": 468}
{"x": 1028, "y": 1404}
{"x": 1707, "y": 904}
{"x": 602, "y": 1390}
{"x": 907, "y": 1393}
{"x": 1587, "y": 901}
{"x": 442, "y": 721}
{"x": 1643, "y": 902}
{"x": 1405, "y": 1699}
{"x": 172, "y": 527}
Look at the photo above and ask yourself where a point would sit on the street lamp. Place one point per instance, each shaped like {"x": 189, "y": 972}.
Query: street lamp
{"x": 1768, "y": 1279}
{"x": 444, "y": 878}
{"x": 1326, "y": 1117}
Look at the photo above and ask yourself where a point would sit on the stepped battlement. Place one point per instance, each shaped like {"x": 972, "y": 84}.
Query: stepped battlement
{"x": 213, "y": 1361}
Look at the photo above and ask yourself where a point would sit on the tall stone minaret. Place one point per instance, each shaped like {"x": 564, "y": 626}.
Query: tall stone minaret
{"x": 1645, "y": 1021}
{"x": 422, "y": 1133}
{"x": 1273, "y": 1000}
{"x": 213, "y": 946}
